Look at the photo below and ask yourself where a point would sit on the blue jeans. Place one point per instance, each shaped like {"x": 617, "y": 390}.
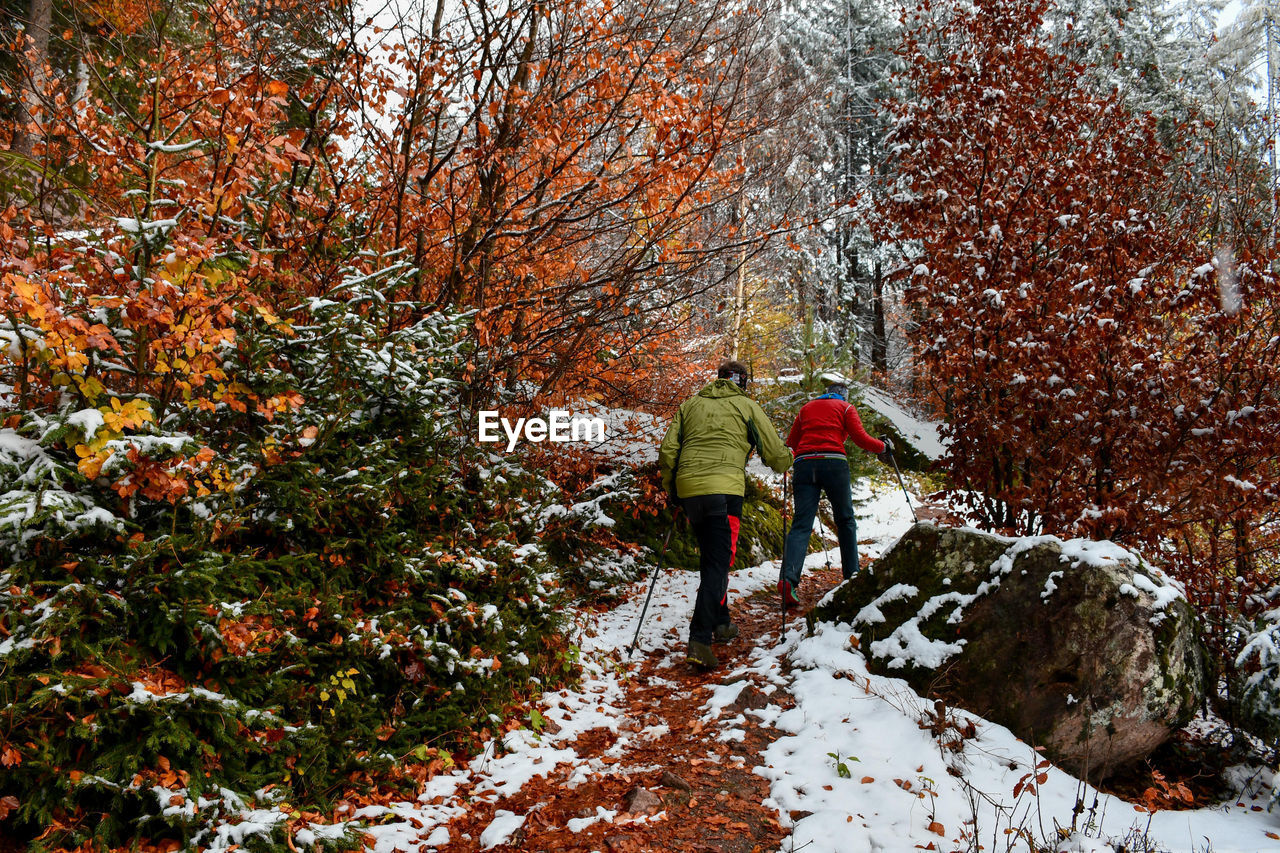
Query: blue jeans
{"x": 810, "y": 479}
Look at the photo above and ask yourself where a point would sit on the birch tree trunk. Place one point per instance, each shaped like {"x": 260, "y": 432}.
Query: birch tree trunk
{"x": 39, "y": 20}
{"x": 740, "y": 290}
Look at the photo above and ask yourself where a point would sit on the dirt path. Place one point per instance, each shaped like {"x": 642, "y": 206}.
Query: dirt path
{"x": 684, "y": 781}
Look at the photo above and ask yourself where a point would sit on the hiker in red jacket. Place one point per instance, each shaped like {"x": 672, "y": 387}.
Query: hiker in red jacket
{"x": 817, "y": 438}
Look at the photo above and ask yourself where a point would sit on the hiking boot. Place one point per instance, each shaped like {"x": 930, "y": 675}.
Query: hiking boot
{"x": 724, "y": 633}
{"x": 787, "y": 590}
{"x": 700, "y": 655}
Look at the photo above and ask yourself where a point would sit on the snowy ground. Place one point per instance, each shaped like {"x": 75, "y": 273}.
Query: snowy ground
{"x": 853, "y": 771}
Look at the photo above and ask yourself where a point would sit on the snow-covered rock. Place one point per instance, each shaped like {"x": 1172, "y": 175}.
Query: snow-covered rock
{"x": 920, "y": 436}
{"x": 1076, "y": 646}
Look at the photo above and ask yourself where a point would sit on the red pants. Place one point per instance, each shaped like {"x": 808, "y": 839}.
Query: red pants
{"x": 715, "y": 520}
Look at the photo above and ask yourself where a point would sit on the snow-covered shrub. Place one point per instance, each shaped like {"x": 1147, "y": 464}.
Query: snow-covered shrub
{"x": 36, "y": 504}
{"x": 341, "y": 579}
{"x": 1258, "y": 666}
{"x": 583, "y": 529}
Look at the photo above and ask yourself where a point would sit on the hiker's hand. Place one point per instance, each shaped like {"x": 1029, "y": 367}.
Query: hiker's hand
{"x": 886, "y": 455}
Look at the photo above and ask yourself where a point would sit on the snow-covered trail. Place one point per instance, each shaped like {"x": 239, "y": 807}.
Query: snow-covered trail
{"x": 792, "y": 744}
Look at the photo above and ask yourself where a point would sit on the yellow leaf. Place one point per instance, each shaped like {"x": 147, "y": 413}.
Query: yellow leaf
{"x": 91, "y": 388}
{"x": 101, "y": 437}
{"x": 91, "y": 466}
{"x": 270, "y": 316}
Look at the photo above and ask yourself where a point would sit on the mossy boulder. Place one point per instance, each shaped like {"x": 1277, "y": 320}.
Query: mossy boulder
{"x": 759, "y": 538}
{"x": 1076, "y": 646}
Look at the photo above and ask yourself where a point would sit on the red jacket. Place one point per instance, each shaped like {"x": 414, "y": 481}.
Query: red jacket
{"x": 822, "y": 426}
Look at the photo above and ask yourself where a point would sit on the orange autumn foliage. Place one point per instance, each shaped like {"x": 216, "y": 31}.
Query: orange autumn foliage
{"x": 590, "y": 150}
{"x": 564, "y": 171}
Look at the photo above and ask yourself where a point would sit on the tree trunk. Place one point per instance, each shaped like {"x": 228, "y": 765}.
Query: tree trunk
{"x": 849, "y": 284}
{"x": 35, "y": 57}
{"x": 739, "y": 305}
{"x": 879, "y": 334}
{"x": 740, "y": 288}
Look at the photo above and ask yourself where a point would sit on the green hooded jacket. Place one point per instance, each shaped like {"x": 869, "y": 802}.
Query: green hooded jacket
{"x": 706, "y": 447}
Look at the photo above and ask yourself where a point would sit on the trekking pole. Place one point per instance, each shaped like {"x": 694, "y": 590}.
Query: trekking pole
{"x": 904, "y": 488}
{"x": 782, "y": 559}
{"x": 826, "y": 549}
{"x": 652, "y": 583}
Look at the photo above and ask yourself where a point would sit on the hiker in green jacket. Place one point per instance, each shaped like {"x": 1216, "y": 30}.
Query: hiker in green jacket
{"x": 703, "y": 460}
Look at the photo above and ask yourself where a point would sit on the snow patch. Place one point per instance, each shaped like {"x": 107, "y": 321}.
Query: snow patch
{"x": 501, "y": 829}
